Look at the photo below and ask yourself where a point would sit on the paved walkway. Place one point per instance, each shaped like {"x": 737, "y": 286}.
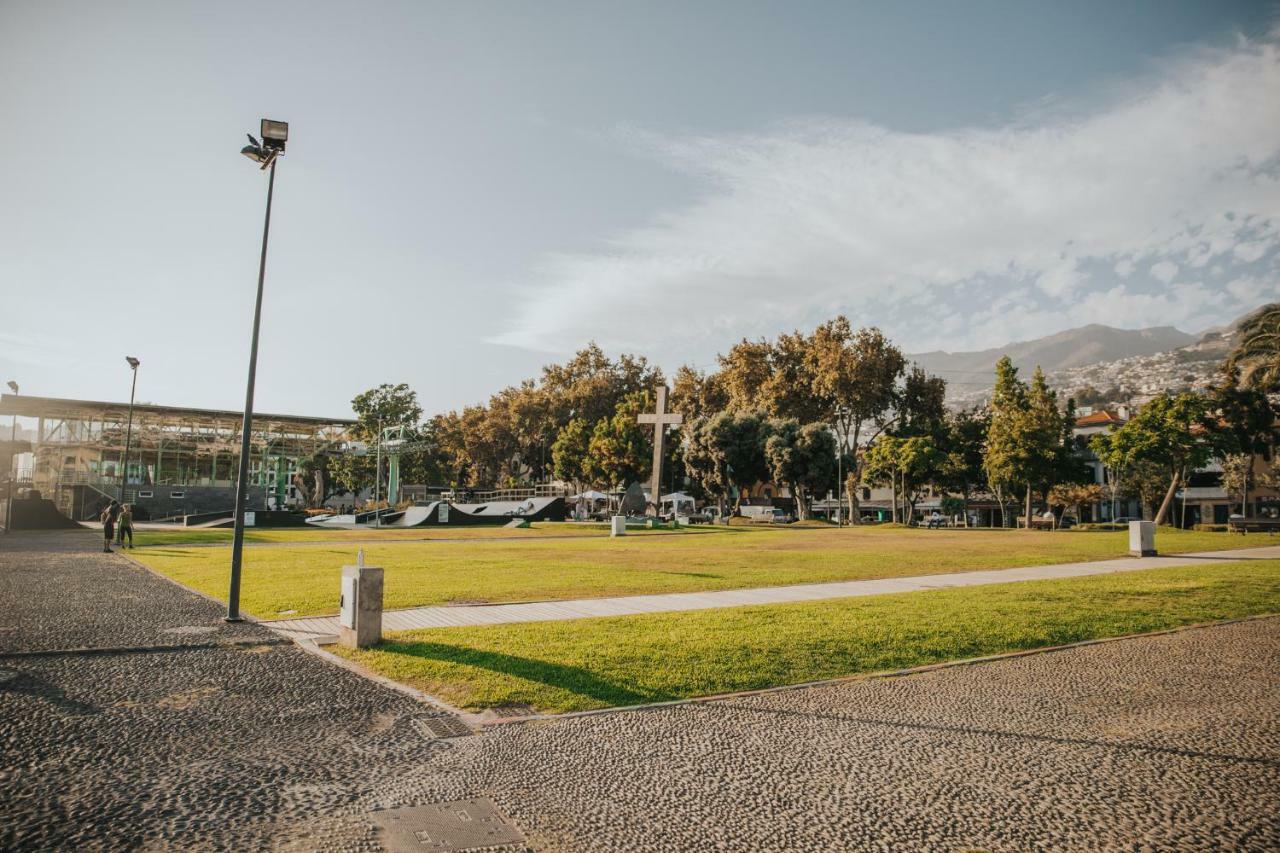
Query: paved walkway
{"x": 586, "y": 608}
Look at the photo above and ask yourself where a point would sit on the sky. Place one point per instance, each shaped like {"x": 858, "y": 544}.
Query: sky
{"x": 472, "y": 190}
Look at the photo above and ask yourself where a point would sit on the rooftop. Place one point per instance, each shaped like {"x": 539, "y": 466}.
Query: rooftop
{"x": 26, "y": 406}
{"x": 1099, "y": 418}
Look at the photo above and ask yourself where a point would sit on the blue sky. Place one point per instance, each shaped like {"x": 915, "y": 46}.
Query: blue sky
{"x": 473, "y": 189}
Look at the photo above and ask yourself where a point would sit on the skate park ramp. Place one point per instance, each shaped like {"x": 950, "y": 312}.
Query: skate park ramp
{"x": 38, "y": 514}
{"x": 448, "y": 514}
{"x": 415, "y": 516}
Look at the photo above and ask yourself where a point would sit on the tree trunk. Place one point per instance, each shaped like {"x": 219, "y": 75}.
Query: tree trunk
{"x": 1168, "y": 500}
{"x": 1248, "y": 475}
{"x": 1027, "y": 518}
{"x": 797, "y": 492}
{"x": 893, "y": 485}
{"x": 855, "y": 510}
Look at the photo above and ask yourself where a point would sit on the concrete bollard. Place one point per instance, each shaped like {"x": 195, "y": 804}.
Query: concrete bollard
{"x": 360, "y": 619}
{"x": 1142, "y": 538}
{"x": 619, "y": 526}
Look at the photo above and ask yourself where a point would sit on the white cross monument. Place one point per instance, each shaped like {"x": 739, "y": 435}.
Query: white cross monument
{"x": 661, "y": 419}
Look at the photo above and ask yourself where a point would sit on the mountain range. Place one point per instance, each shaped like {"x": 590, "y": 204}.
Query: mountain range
{"x": 1119, "y": 363}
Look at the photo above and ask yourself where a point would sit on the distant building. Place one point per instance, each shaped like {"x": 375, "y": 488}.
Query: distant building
{"x": 181, "y": 460}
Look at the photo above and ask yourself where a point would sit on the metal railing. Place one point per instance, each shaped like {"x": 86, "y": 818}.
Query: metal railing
{"x": 542, "y": 490}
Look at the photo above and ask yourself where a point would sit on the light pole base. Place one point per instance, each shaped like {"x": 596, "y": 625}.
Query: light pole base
{"x": 232, "y": 618}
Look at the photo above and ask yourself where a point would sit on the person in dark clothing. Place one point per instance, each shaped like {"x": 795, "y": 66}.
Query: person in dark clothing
{"x": 125, "y": 524}
{"x": 108, "y": 519}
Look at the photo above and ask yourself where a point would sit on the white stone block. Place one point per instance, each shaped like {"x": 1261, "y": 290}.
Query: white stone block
{"x": 619, "y": 526}
{"x": 1142, "y": 538}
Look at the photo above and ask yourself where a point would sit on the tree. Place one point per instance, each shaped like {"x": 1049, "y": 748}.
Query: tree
{"x": 1075, "y": 495}
{"x": 921, "y": 404}
{"x": 801, "y": 457}
{"x": 695, "y": 394}
{"x": 571, "y": 452}
{"x": 590, "y": 386}
{"x": 744, "y": 370}
{"x": 1169, "y": 432}
{"x": 621, "y": 450}
{"x": 1117, "y": 453}
{"x": 1238, "y": 478}
{"x": 726, "y": 451}
{"x": 858, "y": 372}
{"x": 312, "y": 480}
{"x": 1007, "y": 458}
{"x": 1256, "y": 354}
{"x": 964, "y": 444}
{"x": 376, "y": 409}
{"x": 908, "y": 464}
{"x": 1245, "y": 424}
{"x": 1049, "y": 433}
{"x": 703, "y": 462}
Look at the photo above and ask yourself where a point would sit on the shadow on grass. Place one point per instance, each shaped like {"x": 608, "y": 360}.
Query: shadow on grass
{"x": 576, "y": 680}
{"x": 693, "y": 574}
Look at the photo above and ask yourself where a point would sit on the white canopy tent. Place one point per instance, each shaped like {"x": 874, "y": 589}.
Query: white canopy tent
{"x": 678, "y": 499}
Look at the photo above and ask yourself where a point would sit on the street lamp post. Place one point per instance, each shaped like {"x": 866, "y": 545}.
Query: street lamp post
{"x": 13, "y": 471}
{"x": 274, "y": 135}
{"x": 128, "y": 436}
{"x": 843, "y": 435}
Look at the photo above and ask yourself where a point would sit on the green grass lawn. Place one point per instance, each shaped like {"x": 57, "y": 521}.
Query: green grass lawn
{"x": 304, "y": 579}
{"x": 597, "y": 663}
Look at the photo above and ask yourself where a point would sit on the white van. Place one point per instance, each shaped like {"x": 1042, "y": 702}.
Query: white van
{"x": 765, "y": 515}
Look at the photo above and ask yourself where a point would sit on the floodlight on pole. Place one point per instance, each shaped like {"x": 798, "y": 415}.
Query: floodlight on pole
{"x": 13, "y": 471}
{"x": 128, "y": 436}
{"x": 274, "y": 134}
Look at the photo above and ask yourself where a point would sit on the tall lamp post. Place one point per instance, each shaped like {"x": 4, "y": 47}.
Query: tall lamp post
{"x": 128, "y": 436}
{"x": 274, "y": 135}
{"x": 843, "y": 435}
{"x": 13, "y": 471}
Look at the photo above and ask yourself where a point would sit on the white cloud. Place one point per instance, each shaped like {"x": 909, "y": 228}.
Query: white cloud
{"x": 1251, "y": 250}
{"x": 965, "y": 238}
{"x": 1164, "y": 271}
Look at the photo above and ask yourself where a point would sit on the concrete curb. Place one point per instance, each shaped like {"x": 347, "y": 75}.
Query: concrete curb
{"x": 867, "y": 676}
{"x": 311, "y": 646}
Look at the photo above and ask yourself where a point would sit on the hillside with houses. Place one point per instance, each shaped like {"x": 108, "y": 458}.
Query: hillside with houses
{"x": 1132, "y": 373}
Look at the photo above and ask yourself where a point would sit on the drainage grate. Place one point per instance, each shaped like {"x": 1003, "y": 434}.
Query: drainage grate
{"x": 464, "y": 825}
{"x": 434, "y": 728}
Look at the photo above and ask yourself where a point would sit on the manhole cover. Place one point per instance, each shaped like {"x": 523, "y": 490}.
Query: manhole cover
{"x": 190, "y": 629}
{"x": 434, "y": 728}
{"x": 463, "y": 825}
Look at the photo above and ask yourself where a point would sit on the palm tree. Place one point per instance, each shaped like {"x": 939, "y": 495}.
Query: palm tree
{"x": 1257, "y": 349}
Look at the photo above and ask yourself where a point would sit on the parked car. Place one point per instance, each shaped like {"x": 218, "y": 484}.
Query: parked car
{"x": 766, "y": 515}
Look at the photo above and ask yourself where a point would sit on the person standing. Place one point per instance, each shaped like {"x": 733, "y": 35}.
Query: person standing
{"x": 108, "y": 519}
{"x": 126, "y": 525}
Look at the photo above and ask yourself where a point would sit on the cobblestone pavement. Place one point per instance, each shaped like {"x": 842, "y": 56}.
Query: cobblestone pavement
{"x": 230, "y": 739}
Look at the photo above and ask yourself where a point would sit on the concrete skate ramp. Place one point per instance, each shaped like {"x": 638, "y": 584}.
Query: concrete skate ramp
{"x": 496, "y": 513}
{"x": 38, "y": 514}
{"x": 415, "y": 516}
